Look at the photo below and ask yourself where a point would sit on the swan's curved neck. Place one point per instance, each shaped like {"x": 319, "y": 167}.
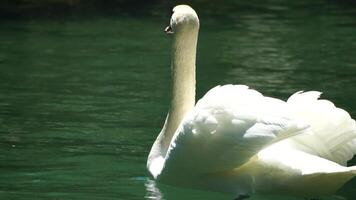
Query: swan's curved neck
{"x": 182, "y": 96}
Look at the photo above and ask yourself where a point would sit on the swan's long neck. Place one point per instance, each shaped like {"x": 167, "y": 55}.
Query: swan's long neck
{"x": 182, "y": 96}
{"x": 183, "y": 80}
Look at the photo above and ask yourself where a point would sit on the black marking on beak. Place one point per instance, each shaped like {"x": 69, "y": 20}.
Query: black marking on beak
{"x": 168, "y": 30}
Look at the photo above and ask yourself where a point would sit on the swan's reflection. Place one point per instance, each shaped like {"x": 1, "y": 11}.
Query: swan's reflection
{"x": 152, "y": 191}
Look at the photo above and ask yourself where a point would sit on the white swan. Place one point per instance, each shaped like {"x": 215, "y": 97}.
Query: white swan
{"x": 237, "y": 140}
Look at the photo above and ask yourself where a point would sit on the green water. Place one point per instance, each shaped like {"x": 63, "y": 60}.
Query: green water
{"x": 83, "y": 98}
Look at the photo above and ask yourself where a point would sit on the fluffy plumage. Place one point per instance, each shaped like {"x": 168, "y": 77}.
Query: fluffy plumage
{"x": 307, "y": 139}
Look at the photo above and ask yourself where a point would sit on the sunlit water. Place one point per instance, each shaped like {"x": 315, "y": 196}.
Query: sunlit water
{"x": 83, "y": 98}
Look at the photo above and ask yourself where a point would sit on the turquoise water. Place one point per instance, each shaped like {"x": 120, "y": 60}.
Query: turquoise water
{"x": 83, "y": 98}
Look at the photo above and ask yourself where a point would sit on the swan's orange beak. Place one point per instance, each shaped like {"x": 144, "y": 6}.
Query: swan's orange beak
{"x": 168, "y": 30}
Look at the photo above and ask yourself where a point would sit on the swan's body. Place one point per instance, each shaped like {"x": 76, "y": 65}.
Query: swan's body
{"x": 237, "y": 140}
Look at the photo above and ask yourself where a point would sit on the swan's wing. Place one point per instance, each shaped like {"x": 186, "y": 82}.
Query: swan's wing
{"x": 295, "y": 160}
{"x": 282, "y": 169}
{"x": 228, "y": 126}
{"x": 301, "y": 173}
{"x": 333, "y": 131}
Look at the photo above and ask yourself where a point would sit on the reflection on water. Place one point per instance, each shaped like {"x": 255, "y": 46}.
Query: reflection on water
{"x": 152, "y": 190}
{"x": 159, "y": 191}
{"x": 82, "y": 99}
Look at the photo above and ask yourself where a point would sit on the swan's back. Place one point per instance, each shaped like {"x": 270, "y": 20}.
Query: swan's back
{"x": 232, "y": 123}
{"x": 227, "y": 127}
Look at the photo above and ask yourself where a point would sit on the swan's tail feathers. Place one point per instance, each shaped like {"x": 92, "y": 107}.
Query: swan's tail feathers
{"x": 333, "y": 130}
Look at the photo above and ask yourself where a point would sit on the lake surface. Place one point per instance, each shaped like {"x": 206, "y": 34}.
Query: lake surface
{"x": 83, "y": 98}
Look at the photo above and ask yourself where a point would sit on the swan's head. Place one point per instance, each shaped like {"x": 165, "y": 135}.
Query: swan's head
{"x": 183, "y": 18}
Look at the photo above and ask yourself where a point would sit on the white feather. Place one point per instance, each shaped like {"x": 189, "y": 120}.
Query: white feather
{"x": 333, "y": 131}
